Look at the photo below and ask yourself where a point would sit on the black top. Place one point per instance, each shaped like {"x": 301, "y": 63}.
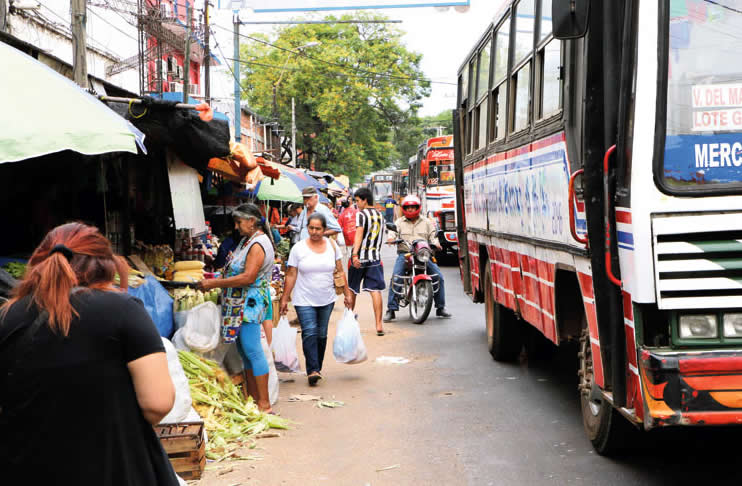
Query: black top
{"x": 68, "y": 410}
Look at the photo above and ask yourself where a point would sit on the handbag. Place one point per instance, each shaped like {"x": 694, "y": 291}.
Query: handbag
{"x": 338, "y": 275}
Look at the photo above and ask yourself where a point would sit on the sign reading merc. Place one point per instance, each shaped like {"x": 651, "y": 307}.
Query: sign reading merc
{"x": 718, "y": 154}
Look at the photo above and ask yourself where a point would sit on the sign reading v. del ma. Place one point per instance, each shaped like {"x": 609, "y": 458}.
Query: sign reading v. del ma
{"x": 319, "y": 5}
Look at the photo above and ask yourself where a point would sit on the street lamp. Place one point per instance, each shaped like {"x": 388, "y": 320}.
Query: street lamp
{"x": 293, "y": 113}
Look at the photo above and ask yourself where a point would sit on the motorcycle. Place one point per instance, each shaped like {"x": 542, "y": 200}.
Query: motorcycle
{"x": 415, "y": 287}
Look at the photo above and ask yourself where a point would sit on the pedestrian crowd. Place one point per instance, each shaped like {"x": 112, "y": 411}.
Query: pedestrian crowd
{"x": 80, "y": 358}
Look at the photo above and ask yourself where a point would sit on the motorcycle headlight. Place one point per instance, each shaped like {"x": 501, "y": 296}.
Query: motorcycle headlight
{"x": 698, "y": 326}
{"x": 423, "y": 256}
{"x": 733, "y": 325}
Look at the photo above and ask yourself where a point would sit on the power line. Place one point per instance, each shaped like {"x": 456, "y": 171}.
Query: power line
{"x": 109, "y": 23}
{"x": 343, "y": 66}
{"x": 66, "y": 21}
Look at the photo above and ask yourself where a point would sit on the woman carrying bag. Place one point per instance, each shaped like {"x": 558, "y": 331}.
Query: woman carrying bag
{"x": 83, "y": 371}
{"x": 246, "y": 300}
{"x": 315, "y": 271}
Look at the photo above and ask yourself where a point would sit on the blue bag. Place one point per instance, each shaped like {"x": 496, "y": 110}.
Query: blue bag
{"x": 158, "y": 303}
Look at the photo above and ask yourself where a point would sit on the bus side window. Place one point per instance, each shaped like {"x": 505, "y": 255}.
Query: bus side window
{"x": 549, "y": 67}
{"x": 524, "y": 21}
{"x": 498, "y": 112}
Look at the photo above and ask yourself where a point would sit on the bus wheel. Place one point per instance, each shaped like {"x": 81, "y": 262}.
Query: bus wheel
{"x": 607, "y": 429}
{"x": 503, "y": 329}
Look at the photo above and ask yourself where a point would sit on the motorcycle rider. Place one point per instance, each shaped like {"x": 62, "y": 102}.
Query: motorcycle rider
{"x": 411, "y": 226}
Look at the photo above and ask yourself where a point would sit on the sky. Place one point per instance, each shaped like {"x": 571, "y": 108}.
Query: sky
{"x": 443, "y": 37}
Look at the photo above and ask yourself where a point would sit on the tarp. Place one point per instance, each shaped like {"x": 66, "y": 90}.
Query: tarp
{"x": 44, "y": 112}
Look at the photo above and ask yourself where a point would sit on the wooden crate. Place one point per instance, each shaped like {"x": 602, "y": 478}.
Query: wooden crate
{"x": 185, "y": 447}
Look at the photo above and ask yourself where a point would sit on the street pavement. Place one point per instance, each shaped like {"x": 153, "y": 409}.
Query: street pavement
{"x": 454, "y": 416}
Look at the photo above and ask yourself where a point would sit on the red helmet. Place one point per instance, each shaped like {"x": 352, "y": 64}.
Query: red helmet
{"x": 411, "y": 207}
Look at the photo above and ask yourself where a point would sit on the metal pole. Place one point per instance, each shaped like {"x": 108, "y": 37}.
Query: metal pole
{"x": 207, "y": 55}
{"x": 78, "y": 9}
{"x": 187, "y": 58}
{"x": 237, "y": 108}
{"x": 293, "y": 132}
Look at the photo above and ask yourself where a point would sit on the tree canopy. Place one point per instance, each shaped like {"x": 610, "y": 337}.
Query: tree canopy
{"x": 353, "y": 90}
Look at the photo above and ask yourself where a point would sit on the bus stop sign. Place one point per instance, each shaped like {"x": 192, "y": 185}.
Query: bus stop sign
{"x": 265, "y": 6}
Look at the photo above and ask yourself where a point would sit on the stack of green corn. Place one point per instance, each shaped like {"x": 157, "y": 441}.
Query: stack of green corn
{"x": 230, "y": 420}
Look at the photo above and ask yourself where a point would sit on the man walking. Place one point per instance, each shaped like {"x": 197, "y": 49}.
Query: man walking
{"x": 389, "y": 204}
{"x": 312, "y": 205}
{"x": 365, "y": 265}
{"x": 347, "y": 221}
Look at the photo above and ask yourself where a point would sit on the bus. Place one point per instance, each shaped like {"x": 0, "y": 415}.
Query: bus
{"x": 400, "y": 183}
{"x": 381, "y": 188}
{"x": 598, "y": 149}
{"x": 432, "y": 180}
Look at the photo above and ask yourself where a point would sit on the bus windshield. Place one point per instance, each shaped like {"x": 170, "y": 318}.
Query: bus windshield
{"x": 440, "y": 174}
{"x": 382, "y": 190}
{"x": 703, "y": 139}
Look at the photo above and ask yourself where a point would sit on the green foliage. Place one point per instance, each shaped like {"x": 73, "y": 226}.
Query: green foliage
{"x": 346, "y": 113}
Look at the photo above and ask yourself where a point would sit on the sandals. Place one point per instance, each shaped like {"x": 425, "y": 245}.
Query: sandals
{"x": 314, "y": 378}
{"x": 379, "y": 333}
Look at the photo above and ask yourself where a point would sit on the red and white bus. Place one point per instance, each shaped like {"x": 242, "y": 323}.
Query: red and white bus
{"x": 432, "y": 180}
{"x": 598, "y": 175}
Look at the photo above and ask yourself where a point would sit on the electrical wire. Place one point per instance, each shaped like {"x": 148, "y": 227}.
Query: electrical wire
{"x": 303, "y": 54}
{"x": 110, "y": 24}
{"x": 66, "y": 21}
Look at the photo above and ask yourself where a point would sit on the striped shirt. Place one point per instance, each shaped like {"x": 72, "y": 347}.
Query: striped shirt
{"x": 372, "y": 223}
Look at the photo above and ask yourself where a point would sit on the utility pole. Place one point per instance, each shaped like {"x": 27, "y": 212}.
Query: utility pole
{"x": 237, "y": 107}
{"x": 187, "y": 59}
{"x": 78, "y": 9}
{"x": 207, "y": 55}
{"x": 293, "y": 132}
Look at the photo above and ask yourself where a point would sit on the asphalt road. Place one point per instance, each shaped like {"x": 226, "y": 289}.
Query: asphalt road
{"x": 514, "y": 424}
{"x": 453, "y": 416}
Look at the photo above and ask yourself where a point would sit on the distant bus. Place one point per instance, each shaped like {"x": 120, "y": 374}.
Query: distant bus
{"x": 400, "y": 184}
{"x": 432, "y": 180}
{"x": 381, "y": 188}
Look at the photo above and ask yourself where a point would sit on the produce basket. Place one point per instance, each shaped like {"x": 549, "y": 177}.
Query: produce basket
{"x": 185, "y": 447}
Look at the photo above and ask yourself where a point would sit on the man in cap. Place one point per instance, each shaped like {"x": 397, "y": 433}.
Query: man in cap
{"x": 312, "y": 205}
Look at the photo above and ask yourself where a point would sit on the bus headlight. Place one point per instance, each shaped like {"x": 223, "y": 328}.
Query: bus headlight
{"x": 698, "y": 326}
{"x": 733, "y": 325}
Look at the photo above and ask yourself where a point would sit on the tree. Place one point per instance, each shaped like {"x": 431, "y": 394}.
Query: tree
{"x": 349, "y": 89}
{"x": 414, "y": 130}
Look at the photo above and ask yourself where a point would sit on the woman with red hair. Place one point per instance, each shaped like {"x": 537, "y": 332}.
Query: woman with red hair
{"x": 83, "y": 371}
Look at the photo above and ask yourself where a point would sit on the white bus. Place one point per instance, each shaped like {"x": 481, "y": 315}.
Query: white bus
{"x": 599, "y": 173}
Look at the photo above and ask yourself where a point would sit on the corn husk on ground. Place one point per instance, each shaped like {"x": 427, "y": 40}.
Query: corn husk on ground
{"x": 231, "y": 421}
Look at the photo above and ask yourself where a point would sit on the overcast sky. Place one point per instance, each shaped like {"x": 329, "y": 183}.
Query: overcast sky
{"x": 443, "y": 37}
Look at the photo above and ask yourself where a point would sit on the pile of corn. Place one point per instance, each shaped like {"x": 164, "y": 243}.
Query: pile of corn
{"x": 230, "y": 420}
{"x": 189, "y": 271}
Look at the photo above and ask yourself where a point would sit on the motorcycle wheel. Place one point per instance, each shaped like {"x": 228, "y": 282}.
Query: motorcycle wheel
{"x": 421, "y": 305}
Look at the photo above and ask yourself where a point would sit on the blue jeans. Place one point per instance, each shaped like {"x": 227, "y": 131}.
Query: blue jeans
{"x": 433, "y": 270}
{"x": 314, "y": 321}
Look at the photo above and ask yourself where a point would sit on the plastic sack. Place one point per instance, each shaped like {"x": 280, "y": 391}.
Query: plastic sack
{"x": 183, "y": 403}
{"x": 157, "y": 302}
{"x": 202, "y": 329}
{"x": 272, "y": 372}
{"x": 284, "y": 347}
{"x": 348, "y": 346}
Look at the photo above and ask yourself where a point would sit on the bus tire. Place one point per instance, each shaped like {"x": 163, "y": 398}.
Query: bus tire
{"x": 608, "y": 431}
{"x": 504, "y": 340}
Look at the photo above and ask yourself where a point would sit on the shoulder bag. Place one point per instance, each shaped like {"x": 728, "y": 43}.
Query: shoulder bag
{"x": 338, "y": 275}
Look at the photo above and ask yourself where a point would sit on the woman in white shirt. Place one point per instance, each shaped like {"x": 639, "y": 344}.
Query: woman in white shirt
{"x": 311, "y": 285}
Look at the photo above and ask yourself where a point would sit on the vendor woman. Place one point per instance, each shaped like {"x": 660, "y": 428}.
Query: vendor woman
{"x": 248, "y": 273}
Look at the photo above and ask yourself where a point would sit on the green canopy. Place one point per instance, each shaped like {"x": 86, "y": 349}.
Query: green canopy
{"x": 281, "y": 189}
{"x": 43, "y": 112}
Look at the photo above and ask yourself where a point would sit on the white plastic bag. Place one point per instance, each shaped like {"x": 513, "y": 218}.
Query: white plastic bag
{"x": 183, "y": 403}
{"x": 272, "y": 373}
{"x": 284, "y": 347}
{"x": 348, "y": 346}
{"x": 202, "y": 329}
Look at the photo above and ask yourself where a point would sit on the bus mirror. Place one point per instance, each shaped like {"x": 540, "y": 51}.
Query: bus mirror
{"x": 570, "y": 18}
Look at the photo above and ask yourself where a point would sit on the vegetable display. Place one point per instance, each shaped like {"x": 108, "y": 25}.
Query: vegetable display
{"x": 229, "y": 418}
{"x": 15, "y": 269}
{"x": 188, "y": 298}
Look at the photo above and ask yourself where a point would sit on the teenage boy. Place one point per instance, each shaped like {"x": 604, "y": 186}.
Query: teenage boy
{"x": 365, "y": 264}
